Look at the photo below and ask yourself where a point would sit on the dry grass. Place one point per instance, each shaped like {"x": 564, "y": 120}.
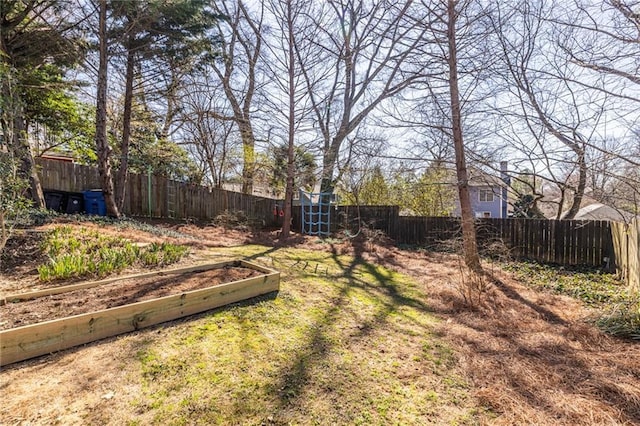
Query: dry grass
{"x": 345, "y": 342}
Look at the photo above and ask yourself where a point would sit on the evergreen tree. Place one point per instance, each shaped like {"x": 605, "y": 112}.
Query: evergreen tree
{"x": 37, "y": 46}
{"x": 433, "y": 194}
{"x": 304, "y": 165}
{"x": 375, "y": 191}
{"x": 152, "y": 34}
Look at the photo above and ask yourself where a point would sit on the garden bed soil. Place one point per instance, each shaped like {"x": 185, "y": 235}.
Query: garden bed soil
{"x": 118, "y": 293}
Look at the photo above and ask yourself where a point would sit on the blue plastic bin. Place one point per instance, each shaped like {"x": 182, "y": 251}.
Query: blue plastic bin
{"x": 94, "y": 202}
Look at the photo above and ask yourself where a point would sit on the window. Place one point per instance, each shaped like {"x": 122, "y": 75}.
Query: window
{"x": 485, "y": 195}
{"x": 483, "y": 214}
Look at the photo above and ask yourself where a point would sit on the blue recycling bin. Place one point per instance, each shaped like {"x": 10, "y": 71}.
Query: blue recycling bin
{"x": 94, "y": 202}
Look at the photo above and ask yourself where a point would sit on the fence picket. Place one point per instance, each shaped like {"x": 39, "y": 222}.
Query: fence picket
{"x": 563, "y": 242}
{"x": 192, "y": 201}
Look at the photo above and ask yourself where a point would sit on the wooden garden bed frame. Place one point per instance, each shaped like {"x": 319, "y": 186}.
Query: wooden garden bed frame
{"x": 21, "y": 343}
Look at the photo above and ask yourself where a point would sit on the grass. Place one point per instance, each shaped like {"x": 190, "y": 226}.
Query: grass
{"x": 82, "y": 252}
{"x": 619, "y": 309}
{"x": 37, "y": 217}
{"x": 345, "y": 342}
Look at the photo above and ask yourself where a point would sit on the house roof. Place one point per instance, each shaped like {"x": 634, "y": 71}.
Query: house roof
{"x": 600, "y": 211}
{"x": 478, "y": 177}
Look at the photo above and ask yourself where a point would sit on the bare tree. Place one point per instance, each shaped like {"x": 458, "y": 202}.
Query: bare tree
{"x": 470, "y": 246}
{"x": 549, "y": 103}
{"x": 286, "y": 14}
{"x": 241, "y": 45}
{"x": 565, "y": 112}
{"x": 285, "y": 57}
{"x": 208, "y": 139}
{"x": 362, "y": 58}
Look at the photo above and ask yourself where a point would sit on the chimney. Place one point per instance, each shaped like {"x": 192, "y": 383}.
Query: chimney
{"x": 503, "y": 172}
{"x": 504, "y": 205}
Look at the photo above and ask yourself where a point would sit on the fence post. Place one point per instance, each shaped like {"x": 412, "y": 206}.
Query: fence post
{"x": 634, "y": 256}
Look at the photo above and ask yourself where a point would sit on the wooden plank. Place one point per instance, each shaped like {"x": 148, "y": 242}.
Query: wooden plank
{"x": 581, "y": 246}
{"x": 29, "y": 341}
{"x": 576, "y": 226}
{"x": 634, "y": 256}
{"x": 598, "y": 252}
{"x": 545, "y": 246}
{"x": 90, "y": 284}
{"x": 558, "y": 245}
{"x": 590, "y": 258}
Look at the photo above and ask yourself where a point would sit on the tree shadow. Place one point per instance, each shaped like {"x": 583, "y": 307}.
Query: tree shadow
{"x": 294, "y": 377}
{"x": 566, "y": 354}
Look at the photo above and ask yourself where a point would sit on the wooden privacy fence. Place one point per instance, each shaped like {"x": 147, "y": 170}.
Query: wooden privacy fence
{"x": 566, "y": 242}
{"x": 156, "y": 196}
{"x": 626, "y": 242}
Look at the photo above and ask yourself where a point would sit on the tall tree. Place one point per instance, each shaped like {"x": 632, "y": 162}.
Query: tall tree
{"x": 363, "y": 57}
{"x": 241, "y": 38}
{"x": 37, "y": 45}
{"x": 172, "y": 30}
{"x": 102, "y": 144}
{"x": 470, "y": 246}
{"x": 293, "y": 164}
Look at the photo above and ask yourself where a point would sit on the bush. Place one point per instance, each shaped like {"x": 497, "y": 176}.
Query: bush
{"x": 13, "y": 203}
{"x": 74, "y": 254}
{"x": 619, "y": 310}
{"x": 622, "y": 319}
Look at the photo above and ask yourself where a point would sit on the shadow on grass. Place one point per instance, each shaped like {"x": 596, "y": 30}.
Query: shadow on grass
{"x": 297, "y": 374}
{"x": 526, "y": 365}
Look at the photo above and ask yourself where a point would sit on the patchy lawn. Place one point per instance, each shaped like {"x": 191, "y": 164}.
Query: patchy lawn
{"x": 360, "y": 333}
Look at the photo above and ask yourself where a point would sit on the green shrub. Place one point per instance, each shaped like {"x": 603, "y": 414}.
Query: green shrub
{"x": 619, "y": 311}
{"x": 74, "y": 254}
{"x": 622, "y": 319}
{"x": 162, "y": 254}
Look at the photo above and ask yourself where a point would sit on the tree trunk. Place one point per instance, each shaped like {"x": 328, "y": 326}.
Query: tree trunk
{"x": 249, "y": 155}
{"x": 102, "y": 145}
{"x": 27, "y": 165}
{"x": 329, "y": 160}
{"x": 582, "y": 184}
{"x": 470, "y": 247}
{"x": 126, "y": 127}
{"x": 288, "y": 193}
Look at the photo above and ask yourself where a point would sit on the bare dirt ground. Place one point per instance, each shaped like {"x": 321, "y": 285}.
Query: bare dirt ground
{"x": 531, "y": 357}
{"x": 118, "y": 293}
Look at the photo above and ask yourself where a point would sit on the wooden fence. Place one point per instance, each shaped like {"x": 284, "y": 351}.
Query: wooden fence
{"x": 565, "y": 242}
{"x": 626, "y": 242}
{"x": 609, "y": 245}
{"x": 155, "y": 196}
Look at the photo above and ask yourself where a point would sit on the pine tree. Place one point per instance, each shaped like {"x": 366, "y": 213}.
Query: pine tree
{"x": 37, "y": 47}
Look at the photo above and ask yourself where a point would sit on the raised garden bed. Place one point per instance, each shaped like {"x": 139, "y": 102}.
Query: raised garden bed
{"x": 45, "y": 321}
